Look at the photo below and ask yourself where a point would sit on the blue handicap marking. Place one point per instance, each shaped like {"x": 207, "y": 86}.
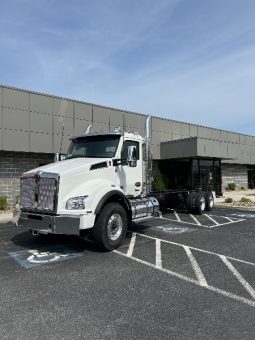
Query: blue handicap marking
{"x": 242, "y": 215}
{"x": 173, "y": 229}
{"x": 34, "y": 257}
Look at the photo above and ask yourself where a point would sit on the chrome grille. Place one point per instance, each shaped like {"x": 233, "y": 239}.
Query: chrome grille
{"x": 39, "y": 193}
{"x": 28, "y": 188}
{"x": 47, "y": 190}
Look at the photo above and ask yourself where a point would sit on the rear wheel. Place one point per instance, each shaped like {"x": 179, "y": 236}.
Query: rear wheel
{"x": 196, "y": 203}
{"x": 191, "y": 202}
{"x": 209, "y": 201}
{"x": 110, "y": 227}
{"x": 200, "y": 203}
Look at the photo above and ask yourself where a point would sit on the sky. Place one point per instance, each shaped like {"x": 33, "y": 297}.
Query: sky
{"x": 187, "y": 60}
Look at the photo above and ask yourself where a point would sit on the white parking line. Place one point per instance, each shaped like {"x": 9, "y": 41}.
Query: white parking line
{"x": 201, "y": 280}
{"x": 177, "y": 216}
{"x": 195, "y": 266}
{"x": 229, "y": 219}
{"x": 185, "y": 278}
{"x": 158, "y": 254}
{"x": 239, "y": 277}
{"x": 195, "y": 219}
{"x": 198, "y": 249}
{"x": 198, "y": 223}
{"x": 131, "y": 245}
{"x": 213, "y": 220}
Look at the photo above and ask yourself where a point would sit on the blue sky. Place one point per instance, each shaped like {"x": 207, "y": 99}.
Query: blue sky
{"x": 189, "y": 60}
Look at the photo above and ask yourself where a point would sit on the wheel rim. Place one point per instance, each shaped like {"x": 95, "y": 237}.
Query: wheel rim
{"x": 211, "y": 202}
{"x": 114, "y": 226}
{"x": 202, "y": 203}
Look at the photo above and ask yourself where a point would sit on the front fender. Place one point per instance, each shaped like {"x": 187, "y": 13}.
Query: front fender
{"x": 95, "y": 190}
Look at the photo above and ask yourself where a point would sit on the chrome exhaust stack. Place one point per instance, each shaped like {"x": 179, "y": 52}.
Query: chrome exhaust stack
{"x": 148, "y": 157}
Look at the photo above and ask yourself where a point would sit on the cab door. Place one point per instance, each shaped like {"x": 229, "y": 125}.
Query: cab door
{"x": 130, "y": 173}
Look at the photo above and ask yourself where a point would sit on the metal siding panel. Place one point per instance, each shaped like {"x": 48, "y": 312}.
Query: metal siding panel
{"x": 100, "y": 127}
{"x": 62, "y": 107}
{"x": 58, "y": 125}
{"x": 101, "y": 115}
{"x": 216, "y": 134}
{"x": 253, "y": 155}
{"x": 15, "y": 140}
{"x": 250, "y": 140}
{"x": 40, "y": 122}
{"x": 1, "y": 139}
{"x": 40, "y": 103}
{"x": 80, "y": 126}
{"x": 204, "y": 132}
{"x": 83, "y": 111}
{"x": 65, "y": 143}
{"x": 242, "y": 139}
{"x": 116, "y": 119}
{"x": 156, "y": 124}
{"x": 232, "y": 150}
{"x": 15, "y": 119}
{"x": 135, "y": 123}
{"x": 192, "y": 130}
{"x": 15, "y": 99}
{"x": 40, "y": 142}
{"x": 184, "y": 129}
{"x": 155, "y": 149}
{"x": 1, "y": 96}
{"x": 1, "y": 117}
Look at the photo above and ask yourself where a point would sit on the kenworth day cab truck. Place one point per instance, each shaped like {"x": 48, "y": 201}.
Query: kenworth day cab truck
{"x": 102, "y": 186}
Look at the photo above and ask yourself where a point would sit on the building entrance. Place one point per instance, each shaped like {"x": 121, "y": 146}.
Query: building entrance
{"x": 192, "y": 174}
{"x": 251, "y": 177}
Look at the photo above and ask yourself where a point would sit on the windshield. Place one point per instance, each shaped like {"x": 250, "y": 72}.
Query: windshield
{"x": 98, "y": 147}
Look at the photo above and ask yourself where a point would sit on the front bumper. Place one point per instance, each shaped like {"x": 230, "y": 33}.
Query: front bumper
{"x": 53, "y": 224}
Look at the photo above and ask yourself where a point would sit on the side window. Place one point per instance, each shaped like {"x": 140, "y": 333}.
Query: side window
{"x": 127, "y": 143}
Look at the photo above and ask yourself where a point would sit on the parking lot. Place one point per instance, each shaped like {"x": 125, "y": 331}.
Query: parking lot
{"x": 179, "y": 276}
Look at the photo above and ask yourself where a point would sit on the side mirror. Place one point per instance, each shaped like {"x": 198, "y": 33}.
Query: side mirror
{"x": 59, "y": 157}
{"x": 131, "y": 158}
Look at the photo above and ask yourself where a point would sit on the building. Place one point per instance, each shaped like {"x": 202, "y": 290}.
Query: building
{"x": 33, "y": 126}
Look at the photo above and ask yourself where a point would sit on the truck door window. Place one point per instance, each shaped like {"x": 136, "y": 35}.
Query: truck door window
{"x": 127, "y": 143}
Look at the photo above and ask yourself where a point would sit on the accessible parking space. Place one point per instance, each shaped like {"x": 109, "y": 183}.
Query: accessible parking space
{"x": 177, "y": 276}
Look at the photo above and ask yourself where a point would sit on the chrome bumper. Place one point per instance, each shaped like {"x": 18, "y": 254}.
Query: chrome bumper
{"x": 53, "y": 224}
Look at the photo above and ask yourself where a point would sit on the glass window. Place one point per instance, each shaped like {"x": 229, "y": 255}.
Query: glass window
{"x": 93, "y": 146}
{"x": 127, "y": 143}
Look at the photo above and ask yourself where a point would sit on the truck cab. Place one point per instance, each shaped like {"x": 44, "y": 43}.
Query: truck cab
{"x": 100, "y": 186}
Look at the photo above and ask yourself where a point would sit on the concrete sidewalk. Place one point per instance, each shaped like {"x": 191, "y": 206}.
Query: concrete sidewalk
{"x": 6, "y": 217}
{"x": 236, "y": 195}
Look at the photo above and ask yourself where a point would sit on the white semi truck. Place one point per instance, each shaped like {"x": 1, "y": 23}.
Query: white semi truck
{"x": 102, "y": 186}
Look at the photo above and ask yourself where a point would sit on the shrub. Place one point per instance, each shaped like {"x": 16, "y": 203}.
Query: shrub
{"x": 243, "y": 188}
{"x": 245, "y": 200}
{"x": 232, "y": 186}
{"x": 229, "y": 200}
{"x": 3, "y": 203}
{"x": 159, "y": 182}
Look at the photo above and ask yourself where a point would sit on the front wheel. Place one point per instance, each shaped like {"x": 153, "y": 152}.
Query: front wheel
{"x": 111, "y": 226}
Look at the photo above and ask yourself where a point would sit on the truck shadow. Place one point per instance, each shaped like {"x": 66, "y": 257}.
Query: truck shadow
{"x": 78, "y": 244}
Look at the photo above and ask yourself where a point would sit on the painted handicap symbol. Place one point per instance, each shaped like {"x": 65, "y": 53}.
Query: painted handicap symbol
{"x": 34, "y": 257}
{"x": 44, "y": 257}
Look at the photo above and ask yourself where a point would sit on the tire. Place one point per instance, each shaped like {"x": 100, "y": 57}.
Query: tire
{"x": 200, "y": 203}
{"x": 191, "y": 202}
{"x": 209, "y": 201}
{"x": 111, "y": 226}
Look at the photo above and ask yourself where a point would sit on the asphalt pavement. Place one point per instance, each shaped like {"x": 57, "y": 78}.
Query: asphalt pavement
{"x": 176, "y": 277}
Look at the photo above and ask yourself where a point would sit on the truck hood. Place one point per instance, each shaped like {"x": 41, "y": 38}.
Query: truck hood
{"x": 69, "y": 165}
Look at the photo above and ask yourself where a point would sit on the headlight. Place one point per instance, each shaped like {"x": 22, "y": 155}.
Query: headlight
{"x": 76, "y": 203}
